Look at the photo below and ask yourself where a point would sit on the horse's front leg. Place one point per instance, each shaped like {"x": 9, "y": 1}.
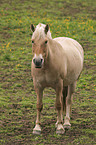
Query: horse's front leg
{"x": 37, "y": 129}
{"x": 60, "y": 128}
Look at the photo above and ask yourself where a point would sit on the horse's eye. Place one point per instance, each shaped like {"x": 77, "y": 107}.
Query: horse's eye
{"x": 32, "y": 41}
{"x": 46, "y": 42}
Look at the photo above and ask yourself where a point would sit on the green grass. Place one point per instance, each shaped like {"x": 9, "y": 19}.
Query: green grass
{"x": 70, "y": 18}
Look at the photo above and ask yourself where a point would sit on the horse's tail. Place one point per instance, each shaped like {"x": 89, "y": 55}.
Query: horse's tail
{"x": 64, "y": 92}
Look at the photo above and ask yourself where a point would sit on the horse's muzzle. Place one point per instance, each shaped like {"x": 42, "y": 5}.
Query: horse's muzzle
{"x": 38, "y": 62}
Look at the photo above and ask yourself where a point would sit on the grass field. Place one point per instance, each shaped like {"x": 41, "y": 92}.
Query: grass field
{"x": 70, "y": 18}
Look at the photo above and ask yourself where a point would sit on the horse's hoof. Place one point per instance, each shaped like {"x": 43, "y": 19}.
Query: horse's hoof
{"x": 67, "y": 126}
{"x": 37, "y": 132}
{"x": 60, "y": 131}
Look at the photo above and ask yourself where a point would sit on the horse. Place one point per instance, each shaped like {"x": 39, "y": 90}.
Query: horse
{"x": 56, "y": 63}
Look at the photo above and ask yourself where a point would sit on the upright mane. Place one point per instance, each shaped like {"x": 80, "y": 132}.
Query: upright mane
{"x": 40, "y": 32}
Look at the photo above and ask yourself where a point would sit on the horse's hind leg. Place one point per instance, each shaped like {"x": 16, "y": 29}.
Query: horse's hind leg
{"x": 71, "y": 89}
{"x": 64, "y": 92}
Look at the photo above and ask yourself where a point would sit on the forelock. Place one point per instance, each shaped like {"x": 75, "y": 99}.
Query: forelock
{"x": 39, "y": 32}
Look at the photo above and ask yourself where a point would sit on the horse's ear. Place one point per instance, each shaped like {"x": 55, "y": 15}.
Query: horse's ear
{"x": 32, "y": 28}
{"x": 46, "y": 28}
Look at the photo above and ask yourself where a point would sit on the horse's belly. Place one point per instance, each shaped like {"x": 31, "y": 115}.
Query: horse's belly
{"x": 69, "y": 79}
{"x": 74, "y": 69}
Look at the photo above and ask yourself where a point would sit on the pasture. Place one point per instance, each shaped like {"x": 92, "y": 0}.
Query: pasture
{"x": 70, "y": 18}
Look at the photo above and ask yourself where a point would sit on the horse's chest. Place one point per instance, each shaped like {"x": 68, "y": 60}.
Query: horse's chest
{"x": 50, "y": 77}
{"x": 46, "y": 79}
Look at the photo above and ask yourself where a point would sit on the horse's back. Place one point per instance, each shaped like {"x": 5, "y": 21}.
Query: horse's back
{"x": 75, "y": 55}
{"x": 69, "y": 44}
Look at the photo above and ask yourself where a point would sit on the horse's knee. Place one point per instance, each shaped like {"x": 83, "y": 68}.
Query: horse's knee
{"x": 39, "y": 107}
{"x": 58, "y": 106}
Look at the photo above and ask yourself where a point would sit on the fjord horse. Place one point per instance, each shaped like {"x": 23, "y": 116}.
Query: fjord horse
{"x": 56, "y": 63}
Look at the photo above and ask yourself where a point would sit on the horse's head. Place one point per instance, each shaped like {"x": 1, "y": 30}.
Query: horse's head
{"x": 40, "y": 43}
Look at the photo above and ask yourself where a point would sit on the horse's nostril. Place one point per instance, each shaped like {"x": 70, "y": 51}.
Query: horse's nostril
{"x": 41, "y": 60}
{"x": 34, "y": 61}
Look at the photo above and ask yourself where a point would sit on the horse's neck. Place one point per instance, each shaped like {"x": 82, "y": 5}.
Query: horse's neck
{"x": 57, "y": 59}
{"x": 55, "y": 49}
{"x": 55, "y": 53}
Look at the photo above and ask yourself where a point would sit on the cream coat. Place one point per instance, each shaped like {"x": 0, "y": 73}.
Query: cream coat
{"x": 62, "y": 59}
{"x": 65, "y": 61}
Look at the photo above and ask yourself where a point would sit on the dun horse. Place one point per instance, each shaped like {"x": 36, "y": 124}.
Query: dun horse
{"x": 56, "y": 63}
